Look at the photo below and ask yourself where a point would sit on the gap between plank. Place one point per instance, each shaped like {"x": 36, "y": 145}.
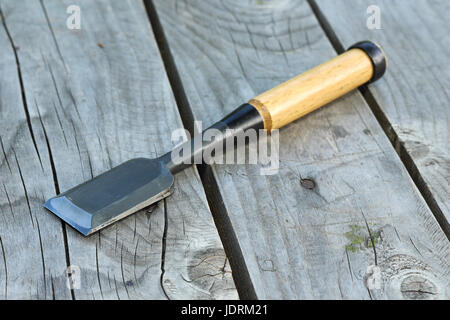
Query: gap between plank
{"x": 385, "y": 124}
{"x": 55, "y": 181}
{"x": 223, "y": 224}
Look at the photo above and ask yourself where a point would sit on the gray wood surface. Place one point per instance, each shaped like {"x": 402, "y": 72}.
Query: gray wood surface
{"x": 415, "y": 96}
{"x": 32, "y": 253}
{"x": 96, "y": 97}
{"x": 364, "y": 217}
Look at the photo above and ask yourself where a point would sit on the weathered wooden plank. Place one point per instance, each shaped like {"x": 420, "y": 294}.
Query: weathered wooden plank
{"x": 101, "y": 96}
{"x": 415, "y": 95}
{"x": 32, "y": 253}
{"x": 297, "y": 242}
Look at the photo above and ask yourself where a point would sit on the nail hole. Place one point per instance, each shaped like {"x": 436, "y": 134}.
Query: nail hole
{"x": 307, "y": 183}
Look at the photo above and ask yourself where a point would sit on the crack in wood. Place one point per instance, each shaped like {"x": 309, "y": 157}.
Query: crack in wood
{"x": 163, "y": 251}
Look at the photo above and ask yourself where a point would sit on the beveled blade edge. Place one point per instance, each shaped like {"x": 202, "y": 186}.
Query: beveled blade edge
{"x": 78, "y": 218}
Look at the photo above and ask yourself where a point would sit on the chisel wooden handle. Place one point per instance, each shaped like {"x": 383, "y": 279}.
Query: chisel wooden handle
{"x": 364, "y": 62}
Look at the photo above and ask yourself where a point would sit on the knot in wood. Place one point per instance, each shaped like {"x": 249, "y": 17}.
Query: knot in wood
{"x": 416, "y": 287}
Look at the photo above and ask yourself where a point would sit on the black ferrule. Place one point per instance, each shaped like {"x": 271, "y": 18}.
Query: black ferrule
{"x": 243, "y": 118}
{"x": 376, "y": 55}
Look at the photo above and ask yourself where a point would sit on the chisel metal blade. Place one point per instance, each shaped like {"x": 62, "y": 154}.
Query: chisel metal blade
{"x": 113, "y": 195}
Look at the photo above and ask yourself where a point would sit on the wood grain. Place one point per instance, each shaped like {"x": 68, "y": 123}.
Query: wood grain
{"x": 363, "y": 217}
{"x": 314, "y": 88}
{"x": 32, "y": 253}
{"x": 97, "y": 106}
{"x": 415, "y": 96}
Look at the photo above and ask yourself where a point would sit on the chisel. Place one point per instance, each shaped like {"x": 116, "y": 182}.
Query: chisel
{"x": 140, "y": 182}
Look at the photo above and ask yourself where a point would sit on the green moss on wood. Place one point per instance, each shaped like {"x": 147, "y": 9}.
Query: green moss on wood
{"x": 357, "y": 238}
